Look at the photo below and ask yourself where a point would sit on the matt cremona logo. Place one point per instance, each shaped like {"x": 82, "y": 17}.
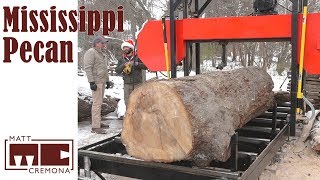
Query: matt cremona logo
{"x": 39, "y": 155}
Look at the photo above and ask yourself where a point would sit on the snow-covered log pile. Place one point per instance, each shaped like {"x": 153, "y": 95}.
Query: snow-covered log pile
{"x": 85, "y": 102}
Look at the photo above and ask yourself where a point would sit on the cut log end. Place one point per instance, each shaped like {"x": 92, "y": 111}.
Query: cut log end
{"x": 157, "y": 126}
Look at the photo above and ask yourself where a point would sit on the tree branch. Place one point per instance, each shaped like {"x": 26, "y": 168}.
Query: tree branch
{"x": 144, "y": 8}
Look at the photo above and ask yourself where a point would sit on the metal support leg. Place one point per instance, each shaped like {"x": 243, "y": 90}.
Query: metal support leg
{"x": 87, "y": 165}
{"x": 186, "y": 61}
{"x": 196, "y": 6}
{"x": 234, "y": 152}
{"x": 198, "y": 58}
{"x": 274, "y": 121}
{"x": 173, "y": 40}
{"x": 294, "y": 77}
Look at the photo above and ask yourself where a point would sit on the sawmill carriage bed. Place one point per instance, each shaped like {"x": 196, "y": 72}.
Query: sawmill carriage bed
{"x": 254, "y": 145}
{"x": 252, "y": 148}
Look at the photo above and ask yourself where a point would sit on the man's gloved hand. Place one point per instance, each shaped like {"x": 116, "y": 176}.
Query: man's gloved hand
{"x": 127, "y": 68}
{"x": 108, "y": 84}
{"x": 93, "y": 86}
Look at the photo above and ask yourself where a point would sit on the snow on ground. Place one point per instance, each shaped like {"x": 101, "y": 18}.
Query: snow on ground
{"x": 85, "y": 137}
{"x": 278, "y": 81}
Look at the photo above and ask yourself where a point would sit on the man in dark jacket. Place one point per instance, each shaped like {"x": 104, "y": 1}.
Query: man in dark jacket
{"x": 130, "y": 67}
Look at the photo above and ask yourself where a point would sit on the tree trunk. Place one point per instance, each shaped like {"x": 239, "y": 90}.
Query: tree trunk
{"x": 234, "y": 53}
{"x": 193, "y": 118}
{"x": 242, "y": 56}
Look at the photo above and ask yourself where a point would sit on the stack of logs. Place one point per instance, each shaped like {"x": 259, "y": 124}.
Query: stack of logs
{"x": 312, "y": 89}
{"x": 85, "y": 103}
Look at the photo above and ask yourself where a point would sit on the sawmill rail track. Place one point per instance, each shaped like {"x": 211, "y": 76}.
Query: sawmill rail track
{"x": 252, "y": 148}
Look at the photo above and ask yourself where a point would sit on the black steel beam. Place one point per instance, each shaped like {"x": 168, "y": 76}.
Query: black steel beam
{"x": 265, "y": 122}
{"x": 279, "y": 115}
{"x": 285, "y": 104}
{"x": 196, "y": 6}
{"x": 234, "y": 152}
{"x": 103, "y": 162}
{"x": 294, "y": 66}
{"x": 187, "y": 58}
{"x": 186, "y": 61}
{"x": 282, "y": 109}
{"x": 274, "y": 121}
{"x": 302, "y": 3}
{"x": 253, "y": 140}
{"x": 90, "y": 146}
{"x": 173, "y": 41}
{"x": 305, "y": 3}
{"x": 198, "y": 58}
{"x": 203, "y": 7}
{"x": 256, "y": 132}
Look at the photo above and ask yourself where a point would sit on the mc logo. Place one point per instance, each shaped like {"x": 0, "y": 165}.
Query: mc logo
{"x": 39, "y": 155}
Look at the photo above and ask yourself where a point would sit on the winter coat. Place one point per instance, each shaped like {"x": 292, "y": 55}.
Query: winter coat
{"x": 96, "y": 66}
{"x": 135, "y": 77}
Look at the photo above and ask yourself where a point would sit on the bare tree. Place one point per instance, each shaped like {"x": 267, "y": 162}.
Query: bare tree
{"x": 136, "y": 12}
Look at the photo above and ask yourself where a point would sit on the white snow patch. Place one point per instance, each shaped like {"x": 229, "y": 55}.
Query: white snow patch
{"x": 278, "y": 81}
{"x": 85, "y": 137}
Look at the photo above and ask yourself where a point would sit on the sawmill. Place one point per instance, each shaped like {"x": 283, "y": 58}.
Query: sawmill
{"x": 226, "y": 124}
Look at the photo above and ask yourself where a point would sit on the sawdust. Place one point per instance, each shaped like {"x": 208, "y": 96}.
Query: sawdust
{"x": 296, "y": 161}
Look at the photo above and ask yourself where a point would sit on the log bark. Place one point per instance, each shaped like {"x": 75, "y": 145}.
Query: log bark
{"x": 315, "y": 135}
{"x": 193, "y": 118}
{"x": 282, "y": 96}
